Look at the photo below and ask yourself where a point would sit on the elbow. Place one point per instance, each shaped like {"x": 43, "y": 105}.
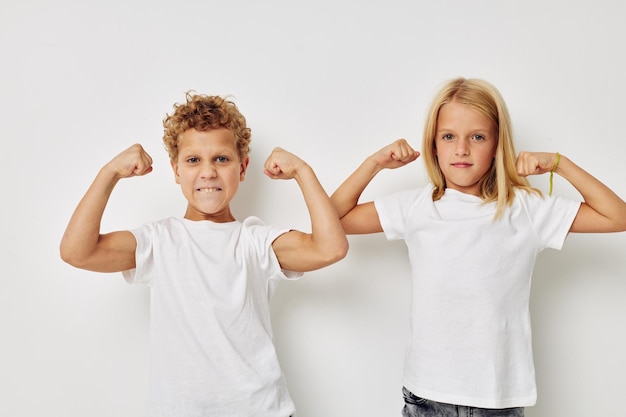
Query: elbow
{"x": 68, "y": 258}
{"x": 338, "y": 252}
{"x": 65, "y": 251}
{"x": 344, "y": 250}
{"x": 65, "y": 254}
{"x": 71, "y": 257}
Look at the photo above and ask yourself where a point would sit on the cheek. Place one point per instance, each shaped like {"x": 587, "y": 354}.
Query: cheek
{"x": 185, "y": 177}
{"x": 180, "y": 177}
{"x": 443, "y": 152}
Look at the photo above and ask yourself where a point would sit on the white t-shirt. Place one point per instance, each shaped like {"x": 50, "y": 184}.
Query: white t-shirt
{"x": 212, "y": 351}
{"x": 470, "y": 340}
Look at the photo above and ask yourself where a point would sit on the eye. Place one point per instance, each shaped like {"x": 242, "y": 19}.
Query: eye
{"x": 447, "y": 136}
{"x": 222, "y": 159}
{"x": 193, "y": 160}
{"x": 478, "y": 137}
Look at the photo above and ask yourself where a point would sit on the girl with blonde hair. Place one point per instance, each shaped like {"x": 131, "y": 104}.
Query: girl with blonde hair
{"x": 473, "y": 235}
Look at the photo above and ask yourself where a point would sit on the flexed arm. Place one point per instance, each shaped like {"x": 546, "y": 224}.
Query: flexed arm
{"x": 602, "y": 210}
{"x": 363, "y": 218}
{"x": 82, "y": 245}
{"x": 327, "y": 243}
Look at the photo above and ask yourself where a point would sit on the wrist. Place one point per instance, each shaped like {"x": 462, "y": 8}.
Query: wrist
{"x": 372, "y": 165}
{"x": 557, "y": 159}
{"x": 302, "y": 170}
{"x": 110, "y": 173}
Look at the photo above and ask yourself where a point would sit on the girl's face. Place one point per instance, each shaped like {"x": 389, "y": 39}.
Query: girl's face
{"x": 465, "y": 145}
{"x": 209, "y": 171}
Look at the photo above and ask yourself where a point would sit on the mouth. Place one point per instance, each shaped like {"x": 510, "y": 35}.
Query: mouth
{"x": 208, "y": 190}
{"x": 462, "y": 165}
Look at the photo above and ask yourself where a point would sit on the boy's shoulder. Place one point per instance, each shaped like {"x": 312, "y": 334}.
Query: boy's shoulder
{"x": 256, "y": 226}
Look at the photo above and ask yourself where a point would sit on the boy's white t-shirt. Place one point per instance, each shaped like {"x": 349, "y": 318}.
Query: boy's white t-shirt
{"x": 212, "y": 351}
{"x": 470, "y": 340}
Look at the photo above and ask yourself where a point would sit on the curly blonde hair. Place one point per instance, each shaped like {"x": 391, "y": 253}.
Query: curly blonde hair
{"x": 202, "y": 112}
{"x": 499, "y": 182}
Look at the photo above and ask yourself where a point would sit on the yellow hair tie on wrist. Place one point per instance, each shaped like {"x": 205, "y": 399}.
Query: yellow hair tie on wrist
{"x": 556, "y": 165}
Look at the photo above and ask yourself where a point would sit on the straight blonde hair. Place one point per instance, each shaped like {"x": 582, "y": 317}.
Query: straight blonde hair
{"x": 500, "y": 181}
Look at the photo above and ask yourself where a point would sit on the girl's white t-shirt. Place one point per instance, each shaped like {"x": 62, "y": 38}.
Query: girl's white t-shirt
{"x": 212, "y": 351}
{"x": 470, "y": 340}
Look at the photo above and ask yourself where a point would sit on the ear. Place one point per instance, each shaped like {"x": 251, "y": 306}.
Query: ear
{"x": 174, "y": 165}
{"x": 243, "y": 168}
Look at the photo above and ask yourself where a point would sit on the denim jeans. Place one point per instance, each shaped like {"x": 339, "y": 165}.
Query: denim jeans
{"x": 415, "y": 406}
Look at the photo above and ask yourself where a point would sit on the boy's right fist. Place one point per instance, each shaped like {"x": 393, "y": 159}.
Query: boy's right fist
{"x": 132, "y": 162}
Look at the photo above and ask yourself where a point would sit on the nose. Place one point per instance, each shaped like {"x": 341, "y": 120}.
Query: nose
{"x": 462, "y": 147}
{"x": 208, "y": 170}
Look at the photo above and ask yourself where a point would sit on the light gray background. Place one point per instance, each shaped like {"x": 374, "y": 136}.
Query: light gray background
{"x": 331, "y": 81}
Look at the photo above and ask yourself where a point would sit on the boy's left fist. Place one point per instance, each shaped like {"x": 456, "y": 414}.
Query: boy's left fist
{"x": 282, "y": 164}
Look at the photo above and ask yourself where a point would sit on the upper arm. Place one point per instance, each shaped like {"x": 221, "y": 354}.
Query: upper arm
{"x": 300, "y": 252}
{"x": 297, "y": 251}
{"x": 362, "y": 219}
{"x": 292, "y": 251}
{"x": 588, "y": 220}
{"x": 114, "y": 252}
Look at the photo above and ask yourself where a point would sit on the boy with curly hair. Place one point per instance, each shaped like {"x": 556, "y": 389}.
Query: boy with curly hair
{"x": 210, "y": 275}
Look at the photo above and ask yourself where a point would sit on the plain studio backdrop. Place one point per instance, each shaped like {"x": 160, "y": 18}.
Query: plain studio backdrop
{"x": 331, "y": 81}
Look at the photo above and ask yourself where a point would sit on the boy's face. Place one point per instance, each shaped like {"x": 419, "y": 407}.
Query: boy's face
{"x": 465, "y": 145}
{"x": 209, "y": 171}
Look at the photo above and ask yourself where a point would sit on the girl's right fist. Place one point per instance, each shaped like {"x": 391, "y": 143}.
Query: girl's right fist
{"x": 396, "y": 154}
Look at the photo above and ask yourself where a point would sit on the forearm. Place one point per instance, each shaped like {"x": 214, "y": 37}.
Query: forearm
{"x": 83, "y": 230}
{"x": 328, "y": 238}
{"x": 346, "y": 197}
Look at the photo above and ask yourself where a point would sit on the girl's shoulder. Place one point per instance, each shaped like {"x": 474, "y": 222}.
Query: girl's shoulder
{"x": 534, "y": 200}
{"x": 416, "y": 192}
{"x": 528, "y": 194}
{"x": 408, "y": 196}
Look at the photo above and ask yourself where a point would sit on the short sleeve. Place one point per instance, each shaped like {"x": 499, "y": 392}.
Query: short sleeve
{"x": 263, "y": 237}
{"x": 143, "y": 257}
{"x": 394, "y": 210}
{"x": 551, "y": 217}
